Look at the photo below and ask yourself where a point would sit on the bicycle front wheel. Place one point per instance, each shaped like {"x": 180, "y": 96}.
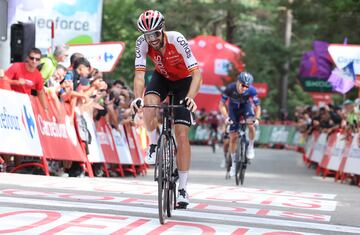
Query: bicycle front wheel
{"x": 163, "y": 184}
{"x": 240, "y": 163}
{"x": 242, "y": 172}
{"x": 171, "y": 196}
{"x": 243, "y": 161}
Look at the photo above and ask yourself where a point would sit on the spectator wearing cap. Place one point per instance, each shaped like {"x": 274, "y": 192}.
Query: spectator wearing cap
{"x": 24, "y": 77}
{"x": 81, "y": 69}
{"x": 49, "y": 63}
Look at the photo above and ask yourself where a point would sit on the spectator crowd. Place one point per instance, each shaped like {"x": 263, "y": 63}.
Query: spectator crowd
{"x": 80, "y": 86}
{"x": 329, "y": 118}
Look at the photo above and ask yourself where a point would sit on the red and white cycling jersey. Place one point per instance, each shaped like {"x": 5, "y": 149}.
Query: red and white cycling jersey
{"x": 177, "y": 62}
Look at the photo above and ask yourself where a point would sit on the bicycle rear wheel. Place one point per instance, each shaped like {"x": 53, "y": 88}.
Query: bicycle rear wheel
{"x": 163, "y": 184}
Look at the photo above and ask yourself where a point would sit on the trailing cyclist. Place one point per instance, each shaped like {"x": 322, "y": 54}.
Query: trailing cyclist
{"x": 242, "y": 97}
{"x": 176, "y": 71}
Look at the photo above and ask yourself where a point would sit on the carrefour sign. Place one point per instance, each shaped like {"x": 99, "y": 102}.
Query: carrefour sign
{"x": 103, "y": 56}
{"x": 342, "y": 55}
{"x": 18, "y": 131}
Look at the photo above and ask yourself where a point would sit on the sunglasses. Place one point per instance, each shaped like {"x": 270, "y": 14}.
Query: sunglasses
{"x": 34, "y": 58}
{"x": 244, "y": 86}
{"x": 154, "y": 34}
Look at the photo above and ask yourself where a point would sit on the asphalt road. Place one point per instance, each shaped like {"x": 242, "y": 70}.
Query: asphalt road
{"x": 280, "y": 196}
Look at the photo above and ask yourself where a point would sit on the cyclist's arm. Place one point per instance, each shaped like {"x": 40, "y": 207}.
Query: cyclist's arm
{"x": 256, "y": 102}
{"x": 223, "y": 109}
{"x": 141, "y": 49}
{"x": 257, "y": 111}
{"x": 224, "y": 98}
{"x": 139, "y": 83}
{"x": 222, "y": 104}
{"x": 195, "y": 83}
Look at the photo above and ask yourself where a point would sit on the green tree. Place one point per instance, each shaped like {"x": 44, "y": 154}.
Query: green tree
{"x": 119, "y": 24}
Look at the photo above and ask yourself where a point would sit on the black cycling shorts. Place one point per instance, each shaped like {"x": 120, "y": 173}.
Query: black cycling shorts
{"x": 161, "y": 87}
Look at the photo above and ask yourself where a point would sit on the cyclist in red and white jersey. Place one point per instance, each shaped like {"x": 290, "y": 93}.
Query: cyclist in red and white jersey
{"x": 176, "y": 70}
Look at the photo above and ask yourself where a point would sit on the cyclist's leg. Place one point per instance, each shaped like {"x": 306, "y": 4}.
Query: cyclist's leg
{"x": 155, "y": 92}
{"x": 226, "y": 142}
{"x": 249, "y": 115}
{"x": 182, "y": 120}
{"x": 233, "y": 133}
{"x": 183, "y": 156}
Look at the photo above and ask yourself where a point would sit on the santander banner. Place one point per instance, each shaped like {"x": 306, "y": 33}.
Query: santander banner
{"x": 104, "y": 134}
{"x": 18, "y": 131}
{"x": 58, "y": 136}
{"x": 122, "y": 146}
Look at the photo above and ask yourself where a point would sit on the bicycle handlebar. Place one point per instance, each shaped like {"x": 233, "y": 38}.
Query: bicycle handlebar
{"x": 164, "y": 106}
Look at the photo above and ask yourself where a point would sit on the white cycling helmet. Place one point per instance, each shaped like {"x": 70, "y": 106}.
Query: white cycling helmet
{"x": 150, "y": 20}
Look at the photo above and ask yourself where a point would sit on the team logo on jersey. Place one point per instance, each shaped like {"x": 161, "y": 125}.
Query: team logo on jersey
{"x": 160, "y": 65}
{"x": 182, "y": 41}
{"x": 139, "y": 41}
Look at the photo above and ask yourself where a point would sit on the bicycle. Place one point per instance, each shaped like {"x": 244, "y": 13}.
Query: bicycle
{"x": 241, "y": 158}
{"x": 165, "y": 172}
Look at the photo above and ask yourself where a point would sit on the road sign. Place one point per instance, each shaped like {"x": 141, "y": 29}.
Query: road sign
{"x": 342, "y": 55}
{"x": 103, "y": 56}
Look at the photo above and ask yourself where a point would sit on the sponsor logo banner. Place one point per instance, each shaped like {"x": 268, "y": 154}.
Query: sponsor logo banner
{"x": 57, "y": 132}
{"x": 122, "y": 146}
{"x": 104, "y": 134}
{"x": 19, "y": 133}
{"x": 74, "y": 21}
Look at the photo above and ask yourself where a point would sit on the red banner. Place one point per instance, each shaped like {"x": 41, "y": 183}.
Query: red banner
{"x": 261, "y": 88}
{"x": 106, "y": 140}
{"x": 321, "y": 98}
{"x": 57, "y": 132}
{"x": 132, "y": 145}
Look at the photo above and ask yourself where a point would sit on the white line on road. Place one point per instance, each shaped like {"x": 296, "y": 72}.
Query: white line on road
{"x": 38, "y": 221}
{"x": 187, "y": 214}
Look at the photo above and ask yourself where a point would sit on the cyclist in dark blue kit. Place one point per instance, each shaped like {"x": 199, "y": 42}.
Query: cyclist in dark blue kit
{"x": 243, "y": 104}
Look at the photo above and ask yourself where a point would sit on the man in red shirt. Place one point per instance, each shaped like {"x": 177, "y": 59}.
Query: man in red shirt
{"x": 24, "y": 76}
